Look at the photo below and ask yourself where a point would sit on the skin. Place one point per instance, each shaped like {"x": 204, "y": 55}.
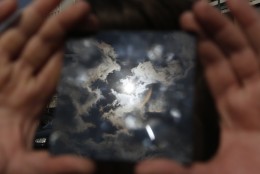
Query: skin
{"x": 30, "y": 63}
{"x": 230, "y": 55}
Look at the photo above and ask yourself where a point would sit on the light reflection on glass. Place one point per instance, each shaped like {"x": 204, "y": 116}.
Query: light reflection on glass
{"x": 150, "y": 132}
{"x": 82, "y": 78}
{"x": 133, "y": 122}
{"x": 155, "y": 53}
{"x": 170, "y": 57}
{"x": 175, "y": 113}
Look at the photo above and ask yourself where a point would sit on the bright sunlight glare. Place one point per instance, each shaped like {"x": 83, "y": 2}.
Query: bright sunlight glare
{"x": 128, "y": 86}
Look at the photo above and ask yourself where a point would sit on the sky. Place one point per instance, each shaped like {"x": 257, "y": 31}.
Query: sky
{"x": 122, "y": 104}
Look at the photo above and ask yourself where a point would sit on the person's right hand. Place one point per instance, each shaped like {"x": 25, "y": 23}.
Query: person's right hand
{"x": 230, "y": 54}
{"x": 31, "y": 53}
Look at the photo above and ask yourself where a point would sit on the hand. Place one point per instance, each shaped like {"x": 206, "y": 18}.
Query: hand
{"x": 30, "y": 64}
{"x": 230, "y": 54}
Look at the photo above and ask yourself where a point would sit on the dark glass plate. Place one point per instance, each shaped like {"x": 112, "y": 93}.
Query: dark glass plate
{"x": 127, "y": 96}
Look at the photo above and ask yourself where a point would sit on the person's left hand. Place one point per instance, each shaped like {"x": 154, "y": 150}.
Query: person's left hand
{"x": 30, "y": 63}
{"x": 230, "y": 55}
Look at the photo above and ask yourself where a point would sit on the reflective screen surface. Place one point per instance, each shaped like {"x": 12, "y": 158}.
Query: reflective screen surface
{"x": 126, "y": 96}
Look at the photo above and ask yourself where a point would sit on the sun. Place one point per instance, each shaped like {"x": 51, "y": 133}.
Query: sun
{"x": 128, "y": 86}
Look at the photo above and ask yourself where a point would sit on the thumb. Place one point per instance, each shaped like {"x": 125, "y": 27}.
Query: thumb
{"x": 68, "y": 164}
{"x": 160, "y": 166}
{"x": 43, "y": 162}
{"x": 7, "y": 7}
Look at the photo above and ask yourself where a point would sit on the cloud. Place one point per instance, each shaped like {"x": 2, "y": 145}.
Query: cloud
{"x": 129, "y": 94}
{"x": 107, "y": 65}
{"x": 77, "y": 79}
{"x": 143, "y": 76}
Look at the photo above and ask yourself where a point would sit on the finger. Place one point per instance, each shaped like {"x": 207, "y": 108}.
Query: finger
{"x": 218, "y": 27}
{"x": 7, "y": 7}
{"x": 52, "y": 35}
{"x": 159, "y": 166}
{"x": 218, "y": 72}
{"x": 50, "y": 73}
{"x": 189, "y": 23}
{"x": 230, "y": 40}
{"x": 43, "y": 162}
{"x": 5, "y": 73}
{"x": 249, "y": 20}
{"x": 32, "y": 18}
{"x": 68, "y": 164}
